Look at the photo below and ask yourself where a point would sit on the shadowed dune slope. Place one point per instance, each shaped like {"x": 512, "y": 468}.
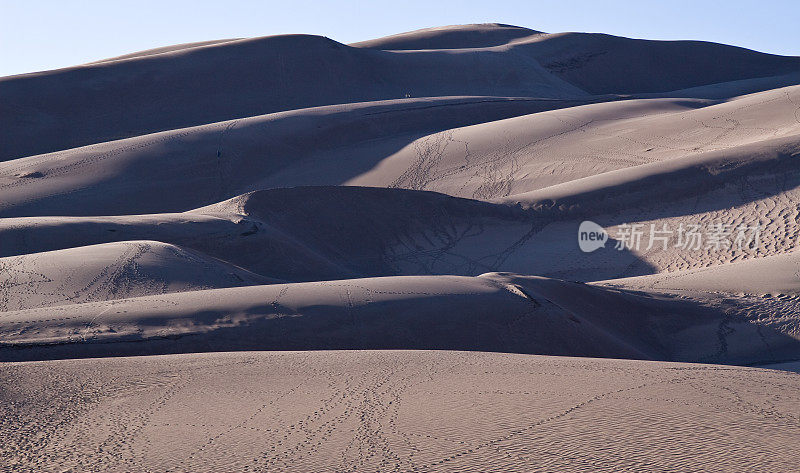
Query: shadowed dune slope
{"x": 124, "y": 98}
{"x": 494, "y": 312}
{"x": 677, "y": 179}
{"x": 601, "y": 63}
{"x": 422, "y": 233}
{"x": 522, "y": 154}
{"x": 308, "y": 233}
{"x": 408, "y": 311}
{"x": 474, "y": 147}
{"x": 183, "y": 169}
{"x": 318, "y": 232}
{"x": 233, "y": 79}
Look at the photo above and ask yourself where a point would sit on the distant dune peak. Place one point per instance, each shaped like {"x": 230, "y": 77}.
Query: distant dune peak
{"x": 451, "y": 37}
{"x": 147, "y": 92}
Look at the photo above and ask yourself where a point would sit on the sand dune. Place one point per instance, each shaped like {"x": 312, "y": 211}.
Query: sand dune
{"x": 313, "y": 233}
{"x": 310, "y": 233}
{"x": 395, "y": 410}
{"x": 165, "y": 49}
{"x": 111, "y": 271}
{"x": 421, "y": 191}
{"x": 687, "y": 176}
{"x": 305, "y": 71}
{"x": 526, "y": 153}
{"x": 244, "y": 242}
{"x": 391, "y": 144}
{"x": 777, "y": 275}
{"x": 435, "y": 312}
{"x": 450, "y": 37}
{"x": 192, "y": 167}
{"x": 494, "y": 312}
{"x": 299, "y": 71}
{"x": 593, "y": 62}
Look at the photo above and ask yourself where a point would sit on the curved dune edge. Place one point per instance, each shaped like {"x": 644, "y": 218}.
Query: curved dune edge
{"x": 450, "y": 37}
{"x": 493, "y": 312}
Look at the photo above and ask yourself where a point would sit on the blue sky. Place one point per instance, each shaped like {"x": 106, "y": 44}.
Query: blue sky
{"x": 46, "y": 34}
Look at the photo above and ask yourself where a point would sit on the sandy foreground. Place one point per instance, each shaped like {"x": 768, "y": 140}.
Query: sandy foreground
{"x": 395, "y": 411}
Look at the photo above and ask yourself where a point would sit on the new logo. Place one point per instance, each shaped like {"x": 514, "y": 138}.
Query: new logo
{"x": 591, "y": 236}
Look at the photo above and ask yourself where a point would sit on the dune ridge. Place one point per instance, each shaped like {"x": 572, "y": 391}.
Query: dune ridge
{"x": 306, "y": 71}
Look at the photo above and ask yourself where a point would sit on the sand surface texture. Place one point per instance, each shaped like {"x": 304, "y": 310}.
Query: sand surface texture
{"x": 396, "y": 411}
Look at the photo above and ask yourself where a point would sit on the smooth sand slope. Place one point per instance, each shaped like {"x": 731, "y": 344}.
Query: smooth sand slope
{"x": 399, "y": 312}
{"x": 534, "y": 151}
{"x": 395, "y": 411}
